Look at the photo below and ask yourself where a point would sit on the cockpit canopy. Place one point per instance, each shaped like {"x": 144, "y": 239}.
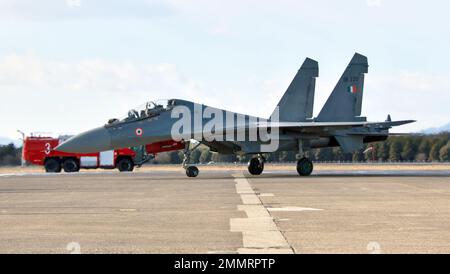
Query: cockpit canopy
{"x": 147, "y": 110}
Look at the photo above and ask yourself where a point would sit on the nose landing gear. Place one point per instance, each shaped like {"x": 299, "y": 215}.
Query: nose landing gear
{"x": 191, "y": 171}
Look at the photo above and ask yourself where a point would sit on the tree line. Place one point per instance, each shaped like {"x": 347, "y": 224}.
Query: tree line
{"x": 10, "y": 155}
{"x": 411, "y": 148}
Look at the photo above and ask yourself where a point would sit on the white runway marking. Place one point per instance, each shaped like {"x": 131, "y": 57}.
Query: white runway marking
{"x": 273, "y": 172}
{"x": 266, "y": 195}
{"x": 283, "y": 220}
{"x": 260, "y": 234}
{"x": 292, "y": 208}
{"x": 128, "y": 210}
{"x": 100, "y": 172}
{"x": 53, "y": 174}
{"x": 11, "y": 174}
{"x": 250, "y": 199}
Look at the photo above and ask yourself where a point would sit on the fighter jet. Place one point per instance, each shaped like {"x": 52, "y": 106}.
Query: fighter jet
{"x": 291, "y": 127}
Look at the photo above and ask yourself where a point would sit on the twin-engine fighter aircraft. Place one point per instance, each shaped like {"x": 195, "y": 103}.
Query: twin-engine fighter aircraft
{"x": 291, "y": 127}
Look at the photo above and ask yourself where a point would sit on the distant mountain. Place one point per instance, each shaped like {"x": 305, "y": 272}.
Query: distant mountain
{"x": 435, "y": 130}
{"x": 7, "y": 141}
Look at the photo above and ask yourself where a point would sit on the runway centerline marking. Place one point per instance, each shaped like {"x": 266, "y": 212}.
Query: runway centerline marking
{"x": 260, "y": 233}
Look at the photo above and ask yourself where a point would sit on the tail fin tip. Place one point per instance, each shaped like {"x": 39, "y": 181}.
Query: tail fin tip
{"x": 311, "y": 64}
{"x": 298, "y": 101}
{"x": 345, "y": 101}
{"x": 359, "y": 59}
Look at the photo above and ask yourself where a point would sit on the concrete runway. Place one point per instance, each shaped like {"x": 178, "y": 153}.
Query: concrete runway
{"x": 226, "y": 212}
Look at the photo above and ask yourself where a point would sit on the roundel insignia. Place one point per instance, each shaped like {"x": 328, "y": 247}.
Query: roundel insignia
{"x": 139, "y": 132}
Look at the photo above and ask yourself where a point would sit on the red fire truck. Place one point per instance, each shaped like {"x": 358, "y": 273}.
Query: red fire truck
{"x": 38, "y": 150}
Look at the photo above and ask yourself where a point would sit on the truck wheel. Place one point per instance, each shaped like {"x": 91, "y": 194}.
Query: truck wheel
{"x": 52, "y": 165}
{"x": 71, "y": 165}
{"x": 125, "y": 164}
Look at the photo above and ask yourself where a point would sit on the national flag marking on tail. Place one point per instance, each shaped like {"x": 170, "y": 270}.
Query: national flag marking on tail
{"x": 352, "y": 89}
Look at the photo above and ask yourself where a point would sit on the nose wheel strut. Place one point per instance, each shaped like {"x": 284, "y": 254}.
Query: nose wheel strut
{"x": 191, "y": 170}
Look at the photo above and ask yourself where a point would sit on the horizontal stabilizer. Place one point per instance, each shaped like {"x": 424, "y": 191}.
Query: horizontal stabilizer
{"x": 406, "y": 134}
{"x": 398, "y": 123}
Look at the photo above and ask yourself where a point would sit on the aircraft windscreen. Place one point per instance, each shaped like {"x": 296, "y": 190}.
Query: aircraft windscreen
{"x": 147, "y": 110}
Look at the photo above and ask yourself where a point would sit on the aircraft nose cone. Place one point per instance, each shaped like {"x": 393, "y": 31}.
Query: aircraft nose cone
{"x": 94, "y": 140}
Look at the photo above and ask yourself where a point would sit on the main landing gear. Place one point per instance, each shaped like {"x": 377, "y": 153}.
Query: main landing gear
{"x": 191, "y": 171}
{"x": 256, "y": 165}
{"x": 304, "y": 167}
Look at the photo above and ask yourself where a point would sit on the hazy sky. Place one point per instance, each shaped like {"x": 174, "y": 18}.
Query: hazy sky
{"x": 70, "y": 65}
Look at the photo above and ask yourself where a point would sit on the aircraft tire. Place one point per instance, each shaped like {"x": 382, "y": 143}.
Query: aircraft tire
{"x": 52, "y": 165}
{"x": 304, "y": 167}
{"x": 125, "y": 165}
{"x": 71, "y": 165}
{"x": 255, "y": 166}
{"x": 192, "y": 171}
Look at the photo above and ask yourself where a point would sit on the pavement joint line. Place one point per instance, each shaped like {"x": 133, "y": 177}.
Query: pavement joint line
{"x": 260, "y": 233}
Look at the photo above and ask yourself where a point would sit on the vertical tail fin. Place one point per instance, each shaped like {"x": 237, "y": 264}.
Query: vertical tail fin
{"x": 297, "y": 103}
{"x": 344, "y": 103}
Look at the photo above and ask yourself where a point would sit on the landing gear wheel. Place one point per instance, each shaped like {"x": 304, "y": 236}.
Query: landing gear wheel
{"x": 304, "y": 167}
{"x": 255, "y": 166}
{"x": 52, "y": 165}
{"x": 71, "y": 165}
{"x": 125, "y": 165}
{"x": 192, "y": 171}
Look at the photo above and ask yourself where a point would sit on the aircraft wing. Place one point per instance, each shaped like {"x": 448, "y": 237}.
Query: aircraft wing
{"x": 330, "y": 126}
{"x": 325, "y": 128}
